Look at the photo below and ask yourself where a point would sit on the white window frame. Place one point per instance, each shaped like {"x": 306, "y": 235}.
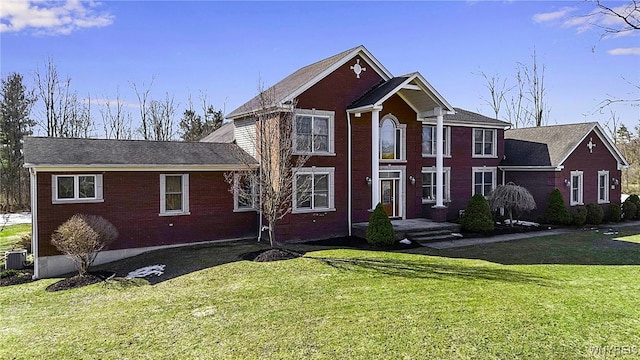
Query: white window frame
{"x": 399, "y": 128}
{"x": 185, "y": 196}
{"x": 313, "y": 113}
{"x": 329, "y": 171}
{"x": 446, "y": 149}
{"x": 483, "y": 169}
{"x": 578, "y": 184}
{"x": 494, "y": 147}
{"x": 603, "y": 182}
{"x": 98, "y": 189}
{"x": 236, "y": 196}
{"x": 446, "y": 173}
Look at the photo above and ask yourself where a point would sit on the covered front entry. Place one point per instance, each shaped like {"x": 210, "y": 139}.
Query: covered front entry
{"x": 392, "y": 193}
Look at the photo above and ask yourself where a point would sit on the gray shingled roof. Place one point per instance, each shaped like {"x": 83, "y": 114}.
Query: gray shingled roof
{"x": 224, "y": 134}
{"x": 544, "y": 145}
{"x": 101, "y": 152}
{"x": 469, "y": 117}
{"x": 291, "y": 83}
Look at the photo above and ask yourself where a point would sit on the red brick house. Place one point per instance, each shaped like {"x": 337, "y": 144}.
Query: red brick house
{"x": 373, "y": 138}
{"x": 578, "y": 159}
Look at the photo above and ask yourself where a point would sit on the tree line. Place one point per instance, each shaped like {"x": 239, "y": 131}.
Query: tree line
{"x": 67, "y": 114}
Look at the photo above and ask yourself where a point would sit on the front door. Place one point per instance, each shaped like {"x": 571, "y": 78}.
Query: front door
{"x": 390, "y": 196}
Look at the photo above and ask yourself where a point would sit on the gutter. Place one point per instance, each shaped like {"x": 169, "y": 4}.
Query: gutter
{"x": 349, "y": 175}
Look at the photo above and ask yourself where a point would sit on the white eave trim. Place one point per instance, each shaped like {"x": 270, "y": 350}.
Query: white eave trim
{"x": 531, "y": 168}
{"x": 432, "y": 121}
{"x": 622, "y": 162}
{"x": 138, "y": 167}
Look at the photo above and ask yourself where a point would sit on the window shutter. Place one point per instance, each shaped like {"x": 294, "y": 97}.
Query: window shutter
{"x": 185, "y": 193}
{"x": 162, "y": 194}
{"x": 99, "y": 191}
{"x": 54, "y": 188}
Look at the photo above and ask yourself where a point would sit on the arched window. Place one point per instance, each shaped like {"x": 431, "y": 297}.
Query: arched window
{"x": 391, "y": 139}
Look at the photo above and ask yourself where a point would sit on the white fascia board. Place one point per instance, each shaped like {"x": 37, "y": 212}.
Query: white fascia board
{"x": 530, "y": 168}
{"x": 364, "y": 109}
{"x": 136, "y": 168}
{"x": 432, "y": 121}
{"x": 605, "y": 140}
{"x": 366, "y": 55}
{"x": 433, "y": 91}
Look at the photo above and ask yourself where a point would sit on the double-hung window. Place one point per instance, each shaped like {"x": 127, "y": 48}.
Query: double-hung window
{"x": 603, "y": 187}
{"x": 484, "y": 143}
{"x": 244, "y": 195}
{"x": 577, "y": 188}
{"x": 76, "y": 188}
{"x": 429, "y": 184}
{"x": 174, "y": 194}
{"x": 314, "y": 189}
{"x": 313, "y": 132}
{"x": 484, "y": 180}
{"x": 429, "y": 141}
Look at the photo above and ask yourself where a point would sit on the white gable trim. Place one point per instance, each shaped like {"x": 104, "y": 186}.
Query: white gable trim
{"x": 622, "y": 162}
{"x": 360, "y": 50}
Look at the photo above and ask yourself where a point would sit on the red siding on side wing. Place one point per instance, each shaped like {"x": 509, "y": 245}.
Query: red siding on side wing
{"x": 132, "y": 204}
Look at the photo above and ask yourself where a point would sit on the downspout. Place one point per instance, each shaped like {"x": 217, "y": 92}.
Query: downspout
{"x": 349, "y": 171}
{"x": 33, "y": 177}
{"x": 260, "y": 201}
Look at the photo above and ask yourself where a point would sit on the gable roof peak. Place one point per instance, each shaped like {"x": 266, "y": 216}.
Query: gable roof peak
{"x": 302, "y": 79}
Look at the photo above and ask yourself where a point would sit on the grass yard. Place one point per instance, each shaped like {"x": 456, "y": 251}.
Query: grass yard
{"x": 9, "y": 237}
{"x": 562, "y": 297}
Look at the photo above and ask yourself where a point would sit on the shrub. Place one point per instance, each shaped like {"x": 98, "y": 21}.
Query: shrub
{"x": 477, "y": 215}
{"x": 594, "y": 214}
{"x": 82, "y": 237}
{"x": 25, "y": 242}
{"x": 579, "y": 215}
{"x": 636, "y": 200}
{"x": 380, "y": 231}
{"x": 511, "y": 197}
{"x": 557, "y": 212}
{"x": 629, "y": 210}
{"x": 614, "y": 213}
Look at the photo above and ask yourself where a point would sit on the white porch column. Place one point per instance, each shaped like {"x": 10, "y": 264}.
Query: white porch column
{"x": 375, "y": 154}
{"x": 439, "y": 156}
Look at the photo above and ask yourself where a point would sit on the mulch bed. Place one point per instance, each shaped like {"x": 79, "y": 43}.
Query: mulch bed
{"x": 270, "y": 255}
{"x": 92, "y": 277}
{"x": 359, "y": 243}
{"x": 20, "y": 277}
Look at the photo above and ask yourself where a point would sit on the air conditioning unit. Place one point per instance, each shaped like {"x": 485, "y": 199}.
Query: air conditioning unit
{"x": 15, "y": 259}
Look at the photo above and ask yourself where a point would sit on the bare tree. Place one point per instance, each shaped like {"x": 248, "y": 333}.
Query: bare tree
{"x": 516, "y": 107}
{"x": 143, "y": 98}
{"x": 65, "y": 115}
{"x": 116, "y": 121}
{"x": 498, "y": 90}
{"x": 160, "y": 115}
{"x": 275, "y": 175}
{"x": 628, "y": 15}
{"x": 536, "y": 90}
{"x": 194, "y": 126}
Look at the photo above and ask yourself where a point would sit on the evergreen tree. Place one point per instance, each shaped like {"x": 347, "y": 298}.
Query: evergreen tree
{"x": 15, "y": 107}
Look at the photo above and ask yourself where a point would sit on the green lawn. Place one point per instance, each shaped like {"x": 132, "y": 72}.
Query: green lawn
{"x": 562, "y": 297}
{"x": 9, "y": 237}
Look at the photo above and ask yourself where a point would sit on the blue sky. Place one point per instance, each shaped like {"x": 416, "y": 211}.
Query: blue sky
{"x": 224, "y": 48}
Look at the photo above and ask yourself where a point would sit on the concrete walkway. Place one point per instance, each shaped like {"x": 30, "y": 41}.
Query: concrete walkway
{"x": 509, "y": 237}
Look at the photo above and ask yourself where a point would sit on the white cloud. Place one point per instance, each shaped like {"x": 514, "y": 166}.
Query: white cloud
{"x": 552, "y": 16}
{"x": 624, "y": 51}
{"x": 51, "y": 17}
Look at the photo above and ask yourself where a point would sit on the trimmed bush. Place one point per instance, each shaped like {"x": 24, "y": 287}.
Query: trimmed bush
{"x": 380, "y": 231}
{"x": 579, "y": 215}
{"x": 636, "y": 200}
{"x": 629, "y": 210}
{"x": 82, "y": 237}
{"x": 557, "y": 212}
{"x": 477, "y": 216}
{"x": 614, "y": 213}
{"x": 594, "y": 214}
{"x": 25, "y": 242}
